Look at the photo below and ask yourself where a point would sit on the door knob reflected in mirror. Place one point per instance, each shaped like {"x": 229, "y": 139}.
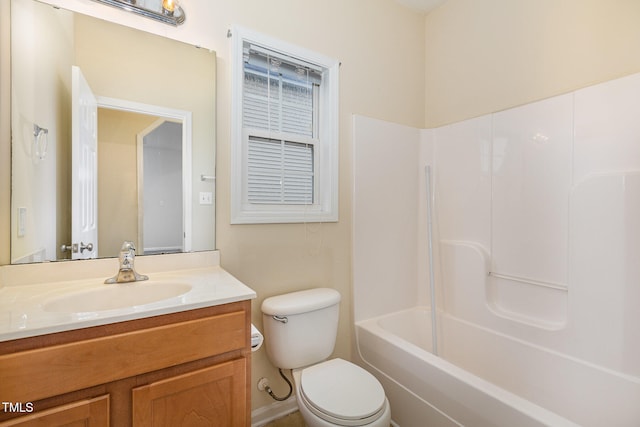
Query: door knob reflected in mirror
{"x": 75, "y": 247}
{"x": 88, "y": 246}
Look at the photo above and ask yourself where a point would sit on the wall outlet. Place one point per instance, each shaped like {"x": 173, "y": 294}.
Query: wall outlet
{"x": 206, "y": 198}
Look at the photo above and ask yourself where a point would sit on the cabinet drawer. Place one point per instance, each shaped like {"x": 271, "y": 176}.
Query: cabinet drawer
{"x": 89, "y": 413}
{"x": 40, "y": 373}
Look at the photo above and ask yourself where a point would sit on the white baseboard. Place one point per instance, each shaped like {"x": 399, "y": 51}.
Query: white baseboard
{"x": 265, "y": 414}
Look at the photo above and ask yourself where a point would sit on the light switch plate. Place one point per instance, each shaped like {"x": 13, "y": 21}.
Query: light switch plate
{"x": 206, "y": 198}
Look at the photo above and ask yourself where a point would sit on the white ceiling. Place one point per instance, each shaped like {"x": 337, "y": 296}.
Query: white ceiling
{"x": 422, "y": 5}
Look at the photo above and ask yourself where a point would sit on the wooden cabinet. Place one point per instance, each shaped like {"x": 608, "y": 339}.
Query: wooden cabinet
{"x": 85, "y": 413}
{"x": 183, "y": 369}
{"x": 207, "y": 397}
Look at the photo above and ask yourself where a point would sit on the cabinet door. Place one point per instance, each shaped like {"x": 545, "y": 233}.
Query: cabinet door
{"x": 85, "y": 413}
{"x": 214, "y": 396}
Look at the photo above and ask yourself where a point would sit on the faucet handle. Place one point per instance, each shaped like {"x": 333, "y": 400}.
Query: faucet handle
{"x": 127, "y": 254}
{"x": 128, "y": 246}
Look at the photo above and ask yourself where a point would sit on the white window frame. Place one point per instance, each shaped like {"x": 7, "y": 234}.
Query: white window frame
{"x": 325, "y": 206}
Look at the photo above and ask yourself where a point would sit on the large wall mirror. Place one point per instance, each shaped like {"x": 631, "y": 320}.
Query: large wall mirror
{"x": 113, "y": 138}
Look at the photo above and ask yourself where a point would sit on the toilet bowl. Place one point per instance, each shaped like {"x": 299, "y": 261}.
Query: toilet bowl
{"x": 339, "y": 393}
{"x": 300, "y": 330}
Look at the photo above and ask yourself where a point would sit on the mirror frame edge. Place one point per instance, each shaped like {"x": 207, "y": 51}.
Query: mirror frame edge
{"x": 5, "y": 133}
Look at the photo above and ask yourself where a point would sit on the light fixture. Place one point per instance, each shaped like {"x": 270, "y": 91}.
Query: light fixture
{"x": 168, "y": 7}
{"x": 167, "y": 11}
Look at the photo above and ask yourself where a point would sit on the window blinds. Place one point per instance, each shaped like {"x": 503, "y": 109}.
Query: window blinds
{"x": 280, "y": 172}
{"x": 280, "y": 116}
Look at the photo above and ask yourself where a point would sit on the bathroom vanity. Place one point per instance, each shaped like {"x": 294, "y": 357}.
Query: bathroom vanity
{"x": 184, "y": 360}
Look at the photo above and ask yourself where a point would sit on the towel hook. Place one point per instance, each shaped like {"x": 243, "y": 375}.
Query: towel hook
{"x": 40, "y": 141}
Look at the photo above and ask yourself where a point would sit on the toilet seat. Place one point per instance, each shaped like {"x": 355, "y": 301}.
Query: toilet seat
{"x": 342, "y": 393}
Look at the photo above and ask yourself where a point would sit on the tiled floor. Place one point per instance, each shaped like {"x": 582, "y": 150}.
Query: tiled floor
{"x": 292, "y": 420}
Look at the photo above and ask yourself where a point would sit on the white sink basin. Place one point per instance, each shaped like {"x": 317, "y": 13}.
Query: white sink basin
{"x": 115, "y": 296}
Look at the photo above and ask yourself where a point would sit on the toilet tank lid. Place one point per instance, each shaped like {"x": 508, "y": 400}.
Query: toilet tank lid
{"x": 300, "y": 302}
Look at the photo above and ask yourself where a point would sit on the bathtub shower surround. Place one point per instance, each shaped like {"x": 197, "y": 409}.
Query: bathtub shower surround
{"x": 536, "y": 241}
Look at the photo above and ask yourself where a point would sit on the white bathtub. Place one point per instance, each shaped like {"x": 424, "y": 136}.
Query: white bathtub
{"x": 487, "y": 379}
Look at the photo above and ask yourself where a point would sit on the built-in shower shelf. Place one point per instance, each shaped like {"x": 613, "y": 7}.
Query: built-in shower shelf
{"x": 536, "y": 303}
{"x": 477, "y": 294}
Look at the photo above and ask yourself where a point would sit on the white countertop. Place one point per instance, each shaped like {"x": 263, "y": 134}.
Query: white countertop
{"x": 22, "y": 305}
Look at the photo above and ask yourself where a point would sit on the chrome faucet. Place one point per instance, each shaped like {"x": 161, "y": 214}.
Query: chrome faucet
{"x": 127, "y": 272}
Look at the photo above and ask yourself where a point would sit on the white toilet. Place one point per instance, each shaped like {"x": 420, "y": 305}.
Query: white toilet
{"x": 300, "y": 332}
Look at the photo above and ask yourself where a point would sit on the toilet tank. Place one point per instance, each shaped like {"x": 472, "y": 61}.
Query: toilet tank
{"x": 300, "y": 327}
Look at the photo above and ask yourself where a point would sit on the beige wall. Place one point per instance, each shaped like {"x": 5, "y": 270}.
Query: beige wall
{"x": 486, "y": 56}
{"x": 40, "y": 95}
{"x": 117, "y": 178}
{"x": 5, "y": 133}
